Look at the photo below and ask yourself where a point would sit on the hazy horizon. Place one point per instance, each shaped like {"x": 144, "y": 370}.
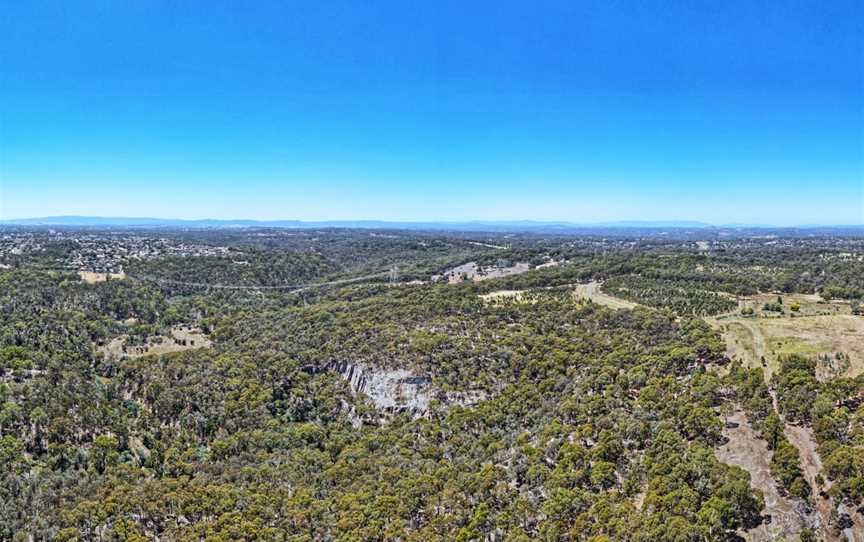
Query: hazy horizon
{"x": 94, "y": 220}
{"x": 744, "y": 113}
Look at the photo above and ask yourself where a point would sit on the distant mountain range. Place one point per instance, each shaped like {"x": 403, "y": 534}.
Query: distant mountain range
{"x": 476, "y": 225}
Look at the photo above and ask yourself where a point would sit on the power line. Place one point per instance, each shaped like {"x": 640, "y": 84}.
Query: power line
{"x": 291, "y": 287}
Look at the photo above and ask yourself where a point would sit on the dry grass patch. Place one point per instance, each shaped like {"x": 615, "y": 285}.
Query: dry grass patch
{"x": 500, "y": 295}
{"x": 179, "y": 339}
{"x": 749, "y": 339}
{"x": 806, "y": 304}
{"x": 580, "y": 292}
{"x": 91, "y": 277}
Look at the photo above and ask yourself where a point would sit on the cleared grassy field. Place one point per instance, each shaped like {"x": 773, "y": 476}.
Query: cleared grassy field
{"x": 181, "y": 338}
{"x": 807, "y": 305}
{"x": 515, "y": 295}
{"x": 92, "y": 278}
{"x": 580, "y": 292}
{"x": 749, "y": 339}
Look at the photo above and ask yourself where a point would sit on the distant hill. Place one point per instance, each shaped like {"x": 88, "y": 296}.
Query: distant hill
{"x": 476, "y": 225}
{"x": 145, "y": 221}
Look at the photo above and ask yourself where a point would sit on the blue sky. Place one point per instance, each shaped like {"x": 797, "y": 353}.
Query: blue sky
{"x": 725, "y": 112}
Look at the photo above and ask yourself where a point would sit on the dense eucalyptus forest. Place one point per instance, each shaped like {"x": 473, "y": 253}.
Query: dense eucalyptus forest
{"x": 347, "y": 392}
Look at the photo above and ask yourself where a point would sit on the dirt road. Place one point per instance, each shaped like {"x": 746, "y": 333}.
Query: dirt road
{"x": 747, "y": 450}
{"x": 592, "y": 292}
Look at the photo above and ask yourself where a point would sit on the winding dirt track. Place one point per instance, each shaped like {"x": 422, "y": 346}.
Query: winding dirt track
{"x": 811, "y": 465}
{"x": 747, "y": 450}
{"x": 758, "y": 339}
{"x": 592, "y": 291}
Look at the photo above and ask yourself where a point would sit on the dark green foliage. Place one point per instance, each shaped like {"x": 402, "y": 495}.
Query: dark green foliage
{"x": 773, "y": 307}
{"x": 585, "y": 407}
{"x": 247, "y": 268}
{"x": 796, "y": 387}
{"x": 582, "y": 411}
{"x": 682, "y": 296}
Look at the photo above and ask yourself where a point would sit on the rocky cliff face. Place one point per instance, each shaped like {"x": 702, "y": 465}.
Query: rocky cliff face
{"x": 397, "y": 390}
{"x": 393, "y": 391}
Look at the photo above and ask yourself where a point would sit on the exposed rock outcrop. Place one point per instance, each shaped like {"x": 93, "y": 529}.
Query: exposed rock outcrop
{"x": 394, "y": 391}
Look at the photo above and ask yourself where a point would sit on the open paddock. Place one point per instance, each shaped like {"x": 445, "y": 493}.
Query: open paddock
{"x": 749, "y": 339}
{"x": 179, "y": 339}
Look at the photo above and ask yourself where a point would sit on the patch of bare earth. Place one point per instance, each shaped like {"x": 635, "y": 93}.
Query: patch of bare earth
{"x": 747, "y": 450}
